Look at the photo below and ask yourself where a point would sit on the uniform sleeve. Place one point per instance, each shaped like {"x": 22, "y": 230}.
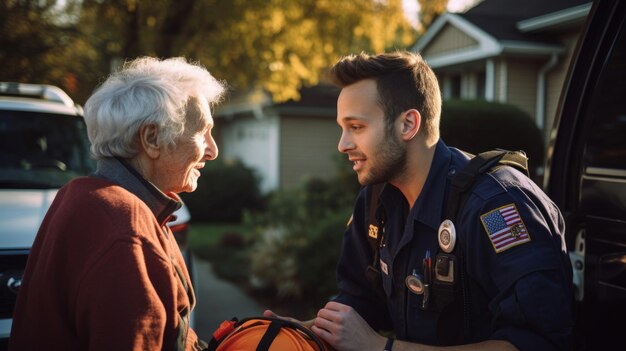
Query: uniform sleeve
{"x": 355, "y": 289}
{"x": 120, "y": 304}
{"x": 516, "y": 253}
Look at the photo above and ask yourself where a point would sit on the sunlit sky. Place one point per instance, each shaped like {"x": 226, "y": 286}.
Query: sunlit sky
{"x": 411, "y": 7}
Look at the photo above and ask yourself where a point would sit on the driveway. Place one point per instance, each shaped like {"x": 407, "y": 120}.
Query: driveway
{"x": 218, "y": 300}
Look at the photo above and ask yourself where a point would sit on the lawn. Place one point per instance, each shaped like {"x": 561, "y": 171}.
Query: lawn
{"x": 203, "y": 236}
{"x": 223, "y": 243}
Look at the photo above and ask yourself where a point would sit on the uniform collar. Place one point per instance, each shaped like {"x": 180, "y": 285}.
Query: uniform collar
{"x": 120, "y": 172}
{"x": 428, "y": 207}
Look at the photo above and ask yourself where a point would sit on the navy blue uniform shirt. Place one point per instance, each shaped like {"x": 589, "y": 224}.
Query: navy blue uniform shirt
{"x": 520, "y": 291}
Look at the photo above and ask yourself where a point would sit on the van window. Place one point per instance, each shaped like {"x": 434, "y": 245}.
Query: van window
{"x": 605, "y": 152}
{"x": 42, "y": 150}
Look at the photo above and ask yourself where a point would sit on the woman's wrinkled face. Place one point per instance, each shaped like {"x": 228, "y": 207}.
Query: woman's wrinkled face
{"x": 180, "y": 164}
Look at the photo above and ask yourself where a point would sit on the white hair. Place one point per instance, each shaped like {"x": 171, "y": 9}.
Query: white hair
{"x": 145, "y": 91}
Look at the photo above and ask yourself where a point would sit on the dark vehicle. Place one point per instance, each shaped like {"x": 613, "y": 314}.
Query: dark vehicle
{"x": 586, "y": 176}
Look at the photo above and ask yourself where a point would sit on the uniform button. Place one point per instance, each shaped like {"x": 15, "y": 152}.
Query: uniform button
{"x": 452, "y": 172}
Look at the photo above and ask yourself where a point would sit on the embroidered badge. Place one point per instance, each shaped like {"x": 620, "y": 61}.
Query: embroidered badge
{"x": 505, "y": 228}
{"x": 373, "y": 231}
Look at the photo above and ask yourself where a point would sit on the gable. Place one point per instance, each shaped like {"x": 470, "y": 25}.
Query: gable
{"x": 449, "y": 39}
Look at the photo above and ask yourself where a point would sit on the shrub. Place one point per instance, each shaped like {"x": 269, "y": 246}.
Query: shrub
{"x": 225, "y": 190}
{"x": 476, "y": 126}
{"x": 299, "y": 265}
{"x": 298, "y": 242}
{"x": 231, "y": 262}
{"x": 316, "y": 262}
{"x": 232, "y": 240}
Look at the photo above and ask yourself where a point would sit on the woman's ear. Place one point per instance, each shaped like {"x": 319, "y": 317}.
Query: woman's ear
{"x": 411, "y": 122}
{"x": 149, "y": 140}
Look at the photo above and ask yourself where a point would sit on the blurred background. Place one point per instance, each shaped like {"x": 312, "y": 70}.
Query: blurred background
{"x": 269, "y": 213}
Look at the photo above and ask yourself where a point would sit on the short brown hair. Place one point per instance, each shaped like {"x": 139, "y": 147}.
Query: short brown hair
{"x": 403, "y": 80}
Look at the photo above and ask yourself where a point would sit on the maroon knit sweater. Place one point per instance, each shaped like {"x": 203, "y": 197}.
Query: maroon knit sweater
{"x": 102, "y": 276}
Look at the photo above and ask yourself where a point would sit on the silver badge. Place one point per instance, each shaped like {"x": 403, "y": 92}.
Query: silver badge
{"x": 414, "y": 283}
{"x": 447, "y": 236}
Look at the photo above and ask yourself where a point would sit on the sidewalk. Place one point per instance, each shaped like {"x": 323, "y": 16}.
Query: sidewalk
{"x": 218, "y": 300}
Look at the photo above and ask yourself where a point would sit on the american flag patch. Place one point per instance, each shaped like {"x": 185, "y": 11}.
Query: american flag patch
{"x": 505, "y": 228}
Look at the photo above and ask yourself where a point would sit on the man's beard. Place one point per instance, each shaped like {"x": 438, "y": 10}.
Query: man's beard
{"x": 388, "y": 163}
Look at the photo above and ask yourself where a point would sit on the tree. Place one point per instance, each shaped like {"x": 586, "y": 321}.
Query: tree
{"x": 275, "y": 45}
{"x": 36, "y": 40}
{"x": 430, "y": 10}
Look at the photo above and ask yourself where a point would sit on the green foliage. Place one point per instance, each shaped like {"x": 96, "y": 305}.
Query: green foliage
{"x": 38, "y": 42}
{"x": 430, "y": 10}
{"x": 275, "y": 45}
{"x": 203, "y": 235}
{"x": 226, "y": 245}
{"x": 316, "y": 262}
{"x": 476, "y": 126}
{"x": 225, "y": 190}
{"x": 299, "y": 238}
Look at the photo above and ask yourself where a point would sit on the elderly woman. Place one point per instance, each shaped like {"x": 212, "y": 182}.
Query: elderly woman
{"x": 105, "y": 272}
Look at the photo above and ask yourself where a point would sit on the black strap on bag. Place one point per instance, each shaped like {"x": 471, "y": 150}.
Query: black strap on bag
{"x": 458, "y": 310}
{"x": 478, "y": 165}
{"x": 273, "y": 329}
{"x": 462, "y": 183}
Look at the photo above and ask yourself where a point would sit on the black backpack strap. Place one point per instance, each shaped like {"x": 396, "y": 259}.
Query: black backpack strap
{"x": 478, "y": 165}
{"x": 276, "y": 324}
{"x": 270, "y": 334}
{"x": 462, "y": 183}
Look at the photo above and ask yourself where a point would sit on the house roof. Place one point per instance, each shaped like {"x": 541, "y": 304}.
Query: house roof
{"x": 319, "y": 100}
{"x": 322, "y": 95}
{"x": 511, "y": 26}
{"x": 501, "y": 18}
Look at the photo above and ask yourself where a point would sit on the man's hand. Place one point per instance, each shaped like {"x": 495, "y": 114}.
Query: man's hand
{"x": 344, "y": 329}
{"x": 271, "y": 314}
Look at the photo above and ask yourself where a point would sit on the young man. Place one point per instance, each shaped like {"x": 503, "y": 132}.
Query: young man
{"x": 512, "y": 285}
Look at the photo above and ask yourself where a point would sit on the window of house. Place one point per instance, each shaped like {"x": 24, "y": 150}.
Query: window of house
{"x": 455, "y": 86}
{"x": 480, "y": 85}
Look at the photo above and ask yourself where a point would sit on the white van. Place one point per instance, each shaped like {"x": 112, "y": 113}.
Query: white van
{"x": 43, "y": 145}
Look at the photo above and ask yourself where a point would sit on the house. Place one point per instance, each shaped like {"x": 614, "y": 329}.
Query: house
{"x": 506, "y": 51}
{"x": 500, "y": 50}
{"x": 286, "y": 143}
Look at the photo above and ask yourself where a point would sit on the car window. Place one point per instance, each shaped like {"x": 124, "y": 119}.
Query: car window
{"x": 605, "y": 152}
{"x": 42, "y": 150}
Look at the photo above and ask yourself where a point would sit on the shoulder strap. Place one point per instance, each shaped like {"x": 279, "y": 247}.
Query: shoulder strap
{"x": 274, "y": 325}
{"x": 462, "y": 183}
{"x": 478, "y": 165}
